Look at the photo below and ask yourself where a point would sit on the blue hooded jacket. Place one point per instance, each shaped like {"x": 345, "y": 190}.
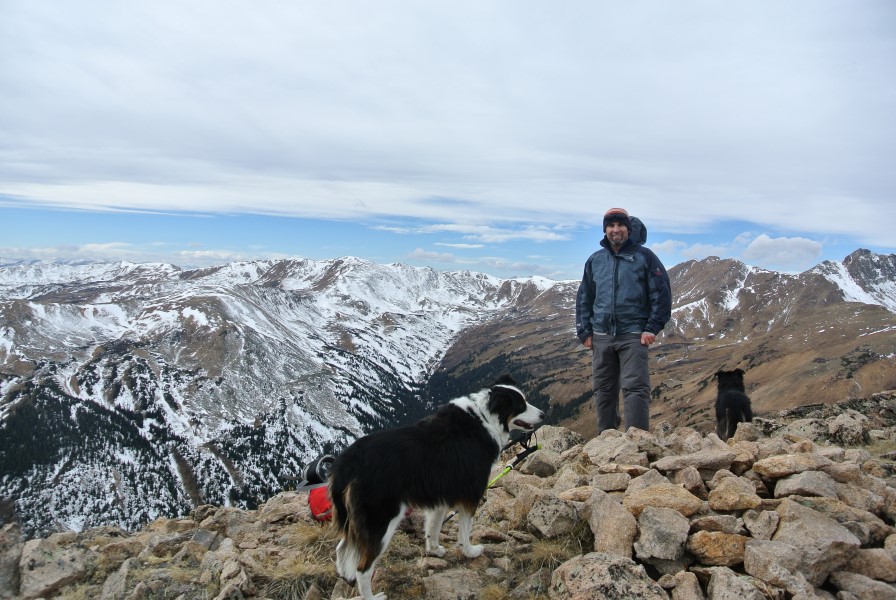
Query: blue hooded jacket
{"x": 624, "y": 292}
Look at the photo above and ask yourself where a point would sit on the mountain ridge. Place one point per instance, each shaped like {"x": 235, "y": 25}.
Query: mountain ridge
{"x": 221, "y": 382}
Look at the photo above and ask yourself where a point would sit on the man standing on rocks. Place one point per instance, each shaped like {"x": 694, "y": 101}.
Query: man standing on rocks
{"x": 623, "y": 302}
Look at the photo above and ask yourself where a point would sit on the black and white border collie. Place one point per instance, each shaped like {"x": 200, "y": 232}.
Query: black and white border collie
{"x": 732, "y": 403}
{"x": 442, "y": 462}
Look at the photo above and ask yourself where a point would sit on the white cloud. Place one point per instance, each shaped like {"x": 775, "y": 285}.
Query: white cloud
{"x": 497, "y": 235}
{"x": 500, "y": 121}
{"x": 424, "y": 255}
{"x": 461, "y": 246}
{"x": 781, "y": 253}
{"x": 152, "y": 253}
{"x": 502, "y": 267}
{"x": 669, "y": 247}
{"x": 789, "y": 254}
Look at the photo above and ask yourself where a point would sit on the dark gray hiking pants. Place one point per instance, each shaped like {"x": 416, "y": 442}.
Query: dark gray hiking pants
{"x": 620, "y": 362}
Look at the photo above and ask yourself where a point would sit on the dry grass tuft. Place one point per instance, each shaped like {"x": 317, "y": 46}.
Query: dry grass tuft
{"x": 519, "y": 514}
{"x": 291, "y": 588}
{"x": 495, "y": 592}
{"x": 550, "y": 554}
{"x": 313, "y": 566}
{"x": 317, "y": 543}
{"x": 399, "y": 571}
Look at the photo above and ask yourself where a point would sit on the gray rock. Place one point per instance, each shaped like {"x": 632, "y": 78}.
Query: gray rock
{"x": 811, "y": 429}
{"x": 734, "y": 493}
{"x": 869, "y": 528}
{"x": 862, "y": 587}
{"x": 11, "y": 547}
{"x": 761, "y": 525}
{"x": 611, "y": 482}
{"x": 663, "y": 533}
{"x": 825, "y": 544}
{"x": 207, "y": 539}
{"x": 849, "y": 428}
{"x": 543, "y": 463}
{"x": 45, "y": 567}
{"x": 611, "y": 446}
{"x": 726, "y": 585}
{"x": 641, "y": 482}
{"x": 687, "y": 587}
{"x": 808, "y": 483}
{"x": 782, "y": 465}
{"x": 776, "y": 563}
{"x": 613, "y": 526}
{"x": 709, "y": 458}
{"x": 599, "y": 575}
{"x": 116, "y": 584}
{"x": 558, "y": 439}
{"x": 723, "y": 523}
{"x": 569, "y": 477}
{"x": 457, "y": 584}
{"x": 551, "y": 517}
{"x": 689, "y": 478}
{"x": 876, "y": 563}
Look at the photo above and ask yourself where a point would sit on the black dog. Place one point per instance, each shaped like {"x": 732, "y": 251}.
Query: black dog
{"x": 442, "y": 462}
{"x": 732, "y": 403}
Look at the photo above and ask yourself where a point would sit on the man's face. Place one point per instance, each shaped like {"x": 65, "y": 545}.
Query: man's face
{"x": 617, "y": 233}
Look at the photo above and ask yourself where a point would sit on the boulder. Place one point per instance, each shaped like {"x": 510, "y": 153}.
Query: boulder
{"x": 11, "y": 546}
{"x": 826, "y": 545}
{"x": 598, "y": 575}
{"x": 663, "y": 495}
{"x": 613, "y": 526}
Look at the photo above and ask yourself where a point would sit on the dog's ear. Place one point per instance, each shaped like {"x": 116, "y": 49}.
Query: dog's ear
{"x": 505, "y": 379}
{"x": 716, "y": 375}
{"x": 740, "y": 372}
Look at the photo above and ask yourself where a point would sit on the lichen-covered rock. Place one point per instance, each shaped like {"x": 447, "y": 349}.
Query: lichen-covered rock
{"x": 717, "y": 548}
{"x": 50, "y": 564}
{"x": 663, "y": 495}
{"x": 11, "y": 545}
{"x": 614, "y": 527}
{"x": 599, "y": 575}
{"x": 734, "y": 493}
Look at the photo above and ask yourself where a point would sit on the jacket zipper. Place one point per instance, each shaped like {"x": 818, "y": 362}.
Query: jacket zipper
{"x": 614, "y": 324}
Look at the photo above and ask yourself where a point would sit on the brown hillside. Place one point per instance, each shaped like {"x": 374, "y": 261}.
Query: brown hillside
{"x": 798, "y": 340}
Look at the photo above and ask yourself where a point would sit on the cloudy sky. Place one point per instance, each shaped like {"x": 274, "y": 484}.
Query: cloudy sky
{"x": 488, "y": 136}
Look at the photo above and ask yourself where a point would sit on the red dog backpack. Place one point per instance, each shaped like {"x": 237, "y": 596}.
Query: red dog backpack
{"x": 319, "y": 503}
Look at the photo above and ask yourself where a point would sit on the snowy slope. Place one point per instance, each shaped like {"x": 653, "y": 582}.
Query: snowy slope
{"x": 222, "y": 381}
{"x": 864, "y": 277}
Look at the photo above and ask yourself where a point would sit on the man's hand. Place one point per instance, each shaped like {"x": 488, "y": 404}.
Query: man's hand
{"x": 647, "y": 338}
{"x": 587, "y": 342}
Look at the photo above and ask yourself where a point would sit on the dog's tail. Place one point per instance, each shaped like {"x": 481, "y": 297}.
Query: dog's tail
{"x": 359, "y": 545}
{"x": 735, "y": 415}
{"x": 346, "y": 556}
{"x": 748, "y": 413}
{"x": 731, "y": 420}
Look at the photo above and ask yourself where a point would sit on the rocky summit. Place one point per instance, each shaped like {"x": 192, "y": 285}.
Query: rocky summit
{"x": 800, "y": 505}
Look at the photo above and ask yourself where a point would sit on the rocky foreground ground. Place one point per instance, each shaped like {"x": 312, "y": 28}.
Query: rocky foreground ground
{"x": 800, "y": 506}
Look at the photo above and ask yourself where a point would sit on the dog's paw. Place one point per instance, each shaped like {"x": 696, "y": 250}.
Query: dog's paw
{"x": 472, "y": 551}
{"x": 438, "y": 551}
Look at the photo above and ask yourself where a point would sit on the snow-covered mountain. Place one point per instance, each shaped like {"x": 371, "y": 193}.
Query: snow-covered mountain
{"x": 129, "y": 391}
{"x": 221, "y": 381}
{"x": 864, "y": 277}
